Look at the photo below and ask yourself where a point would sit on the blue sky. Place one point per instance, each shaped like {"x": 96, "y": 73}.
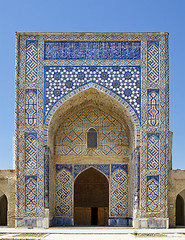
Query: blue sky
{"x": 92, "y": 16}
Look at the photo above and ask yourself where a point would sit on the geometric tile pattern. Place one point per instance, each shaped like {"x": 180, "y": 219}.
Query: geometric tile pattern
{"x": 64, "y": 183}
{"x": 71, "y": 138}
{"x": 156, "y": 73}
{"x": 153, "y": 151}
{"x": 103, "y": 168}
{"x": 98, "y": 88}
{"x": 137, "y": 178}
{"x": 27, "y": 121}
{"x": 124, "y": 81}
{"x": 119, "y": 191}
{"x": 66, "y": 175}
{"x": 31, "y": 107}
{"x": 31, "y": 61}
{"x": 153, "y": 61}
{"x": 92, "y": 50}
{"x": 46, "y": 176}
{"x": 153, "y": 194}
{"x": 153, "y": 107}
{"x": 30, "y": 193}
{"x": 30, "y": 150}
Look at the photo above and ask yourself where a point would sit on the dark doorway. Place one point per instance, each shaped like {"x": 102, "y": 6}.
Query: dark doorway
{"x": 91, "y": 199}
{"x": 179, "y": 211}
{"x": 94, "y": 216}
{"x": 3, "y": 210}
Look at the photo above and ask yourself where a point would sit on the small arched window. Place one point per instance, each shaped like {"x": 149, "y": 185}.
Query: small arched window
{"x": 92, "y": 138}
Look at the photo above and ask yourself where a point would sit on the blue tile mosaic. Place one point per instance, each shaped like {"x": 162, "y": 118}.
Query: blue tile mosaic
{"x": 31, "y": 61}
{"x": 30, "y": 42}
{"x": 152, "y": 193}
{"x": 102, "y": 89}
{"x": 31, "y": 107}
{"x": 67, "y": 167}
{"x": 151, "y": 56}
{"x": 153, "y": 151}
{"x": 156, "y": 134}
{"x": 105, "y": 169}
{"x": 46, "y": 176}
{"x": 62, "y": 221}
{"x": 31, "y": 150}
{"x": 31, "y": 194}
{"x": 92, "y": 50}
{"x": 137, "y": 178}
{"x": 67, "y": 173}
{"x": 124, "y": 81}
{"x": 63, "y": 194}
{"x": 119, "y": 166}
{"x": 153, "y": 107}
{"x": 119, "y": 190}
{"x": 153, "y": 61}
{"x": 120, "y": 222}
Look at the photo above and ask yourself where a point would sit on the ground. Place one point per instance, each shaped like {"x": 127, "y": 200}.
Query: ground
{"x": 89, "y": 233}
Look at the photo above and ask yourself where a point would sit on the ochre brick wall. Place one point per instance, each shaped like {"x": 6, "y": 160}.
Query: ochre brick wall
{"x": 7, "y": 187}
{"x": 176, "y": 186}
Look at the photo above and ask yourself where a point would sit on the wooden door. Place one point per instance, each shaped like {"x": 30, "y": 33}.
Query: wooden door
{"x": 82, "y": 216}
{"x": 103, "y": 216}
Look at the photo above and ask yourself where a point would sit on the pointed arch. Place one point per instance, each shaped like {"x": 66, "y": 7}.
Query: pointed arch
{"x": 79, "y": 96}
{"x": 91, "y": 198}
{"x": 91, "y": 97}
{"x": 3, "y": 209}
{"x": 88, "y": 167}
{"x": 179, "y": 210}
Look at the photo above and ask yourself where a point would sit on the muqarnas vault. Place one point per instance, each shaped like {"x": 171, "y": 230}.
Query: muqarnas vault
{"x": 92, "y": 129}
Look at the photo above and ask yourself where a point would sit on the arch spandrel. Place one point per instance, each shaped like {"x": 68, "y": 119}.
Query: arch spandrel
{"x": 95, "y": 168}
{"x": 180, "y": 191}
{"x": 97, "y": 96}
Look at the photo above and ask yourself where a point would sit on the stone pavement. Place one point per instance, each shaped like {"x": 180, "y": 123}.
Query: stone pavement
{"x": 92, "y": 233}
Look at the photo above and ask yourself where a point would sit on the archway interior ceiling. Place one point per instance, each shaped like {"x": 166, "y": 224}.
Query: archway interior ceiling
{"x": 71, "y": 137}
{"x": 91, "y": 98}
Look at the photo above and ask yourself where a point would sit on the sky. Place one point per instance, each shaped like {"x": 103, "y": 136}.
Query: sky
{"x": 92, "y": 16}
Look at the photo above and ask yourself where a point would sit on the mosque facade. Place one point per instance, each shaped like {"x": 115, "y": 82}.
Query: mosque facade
{"x": 92, "y": 140}
{"x": 92, "y": 145}
{"x": 92, "y": 129}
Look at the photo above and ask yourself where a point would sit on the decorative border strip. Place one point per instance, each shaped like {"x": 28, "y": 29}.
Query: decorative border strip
{"x": 84, "y": 50}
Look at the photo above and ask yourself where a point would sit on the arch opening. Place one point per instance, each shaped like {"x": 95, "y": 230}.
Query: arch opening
{"x": 180, "y": 209}
{"x": 91, "y": 199}
{"x": 91, "y": 96}
{"x": 3, "y": 209}
{"x": 118, "y": 132}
